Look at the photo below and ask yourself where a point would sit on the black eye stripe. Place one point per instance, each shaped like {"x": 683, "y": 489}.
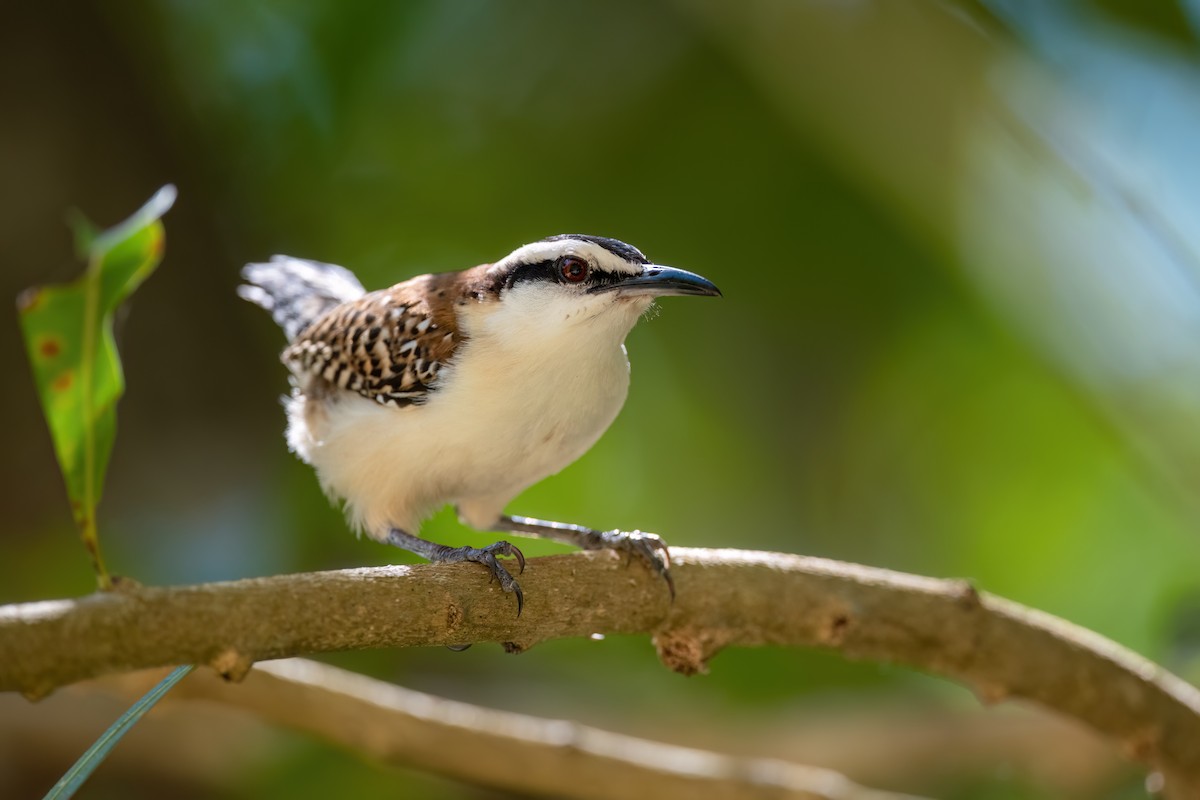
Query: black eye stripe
{"x": 601, "y": 278}
{"x": 548, "y": 271}
{"x": 539, "y": 271}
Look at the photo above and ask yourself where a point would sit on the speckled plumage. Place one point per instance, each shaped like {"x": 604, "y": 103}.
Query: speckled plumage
{"x": 389, "y": 346}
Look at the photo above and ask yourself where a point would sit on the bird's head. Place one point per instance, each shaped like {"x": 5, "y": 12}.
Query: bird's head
{"x": 587, "y": 278}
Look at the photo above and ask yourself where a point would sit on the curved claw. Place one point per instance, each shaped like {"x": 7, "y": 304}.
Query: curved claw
{"x": 516, "y": 553}
{"x": 666, "y": 574}
{"x": 516, "y": 589}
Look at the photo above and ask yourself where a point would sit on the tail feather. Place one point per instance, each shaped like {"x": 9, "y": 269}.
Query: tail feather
{"x": 297, "y": 291}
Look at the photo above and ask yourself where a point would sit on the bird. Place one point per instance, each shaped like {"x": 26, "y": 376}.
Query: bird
{"x": 464, "y": 388}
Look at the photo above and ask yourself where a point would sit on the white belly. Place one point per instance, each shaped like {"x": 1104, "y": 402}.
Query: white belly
{"x": 502, "y": 418}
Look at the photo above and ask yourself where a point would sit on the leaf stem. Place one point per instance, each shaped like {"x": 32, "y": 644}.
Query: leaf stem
{"x": 85, "y": 515}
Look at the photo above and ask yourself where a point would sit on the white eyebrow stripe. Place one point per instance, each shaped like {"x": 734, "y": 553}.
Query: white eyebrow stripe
{"x": 548, "y": 251}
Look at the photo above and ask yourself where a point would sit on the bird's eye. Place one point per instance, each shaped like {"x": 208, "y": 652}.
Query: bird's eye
{"x": 573, "y": 269}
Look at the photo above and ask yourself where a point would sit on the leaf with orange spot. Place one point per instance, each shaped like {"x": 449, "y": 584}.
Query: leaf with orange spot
{"x": 69, "y": 339}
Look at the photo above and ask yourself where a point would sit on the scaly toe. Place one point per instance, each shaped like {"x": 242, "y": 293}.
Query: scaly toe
{"x": 648, "y": 547}
{"x": 486, "y": 556}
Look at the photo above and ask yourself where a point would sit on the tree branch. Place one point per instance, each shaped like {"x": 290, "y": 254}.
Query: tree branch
{"x": 500, "y": 749}
{"x": 726, "y": 597}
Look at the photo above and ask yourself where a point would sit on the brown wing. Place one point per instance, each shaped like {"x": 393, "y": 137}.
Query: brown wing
{"x": 388, "y": 346}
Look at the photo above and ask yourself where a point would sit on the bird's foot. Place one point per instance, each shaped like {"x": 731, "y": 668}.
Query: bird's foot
{"x": 487, "y": 557}
{"x": 648, "y": 547}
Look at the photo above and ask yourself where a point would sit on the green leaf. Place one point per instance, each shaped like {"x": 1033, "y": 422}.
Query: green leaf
{"x": 68, "y": 335}
{"x": 82, "y": 769}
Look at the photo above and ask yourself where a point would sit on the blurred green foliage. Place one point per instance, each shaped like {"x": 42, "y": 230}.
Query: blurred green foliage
{"x": 900, "y": 372}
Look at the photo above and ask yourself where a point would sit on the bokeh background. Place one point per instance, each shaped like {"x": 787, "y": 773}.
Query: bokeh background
{"x": 960, "y": 334}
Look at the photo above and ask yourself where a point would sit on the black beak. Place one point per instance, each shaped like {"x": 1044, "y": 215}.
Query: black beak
{"x": 660, "y": 281}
